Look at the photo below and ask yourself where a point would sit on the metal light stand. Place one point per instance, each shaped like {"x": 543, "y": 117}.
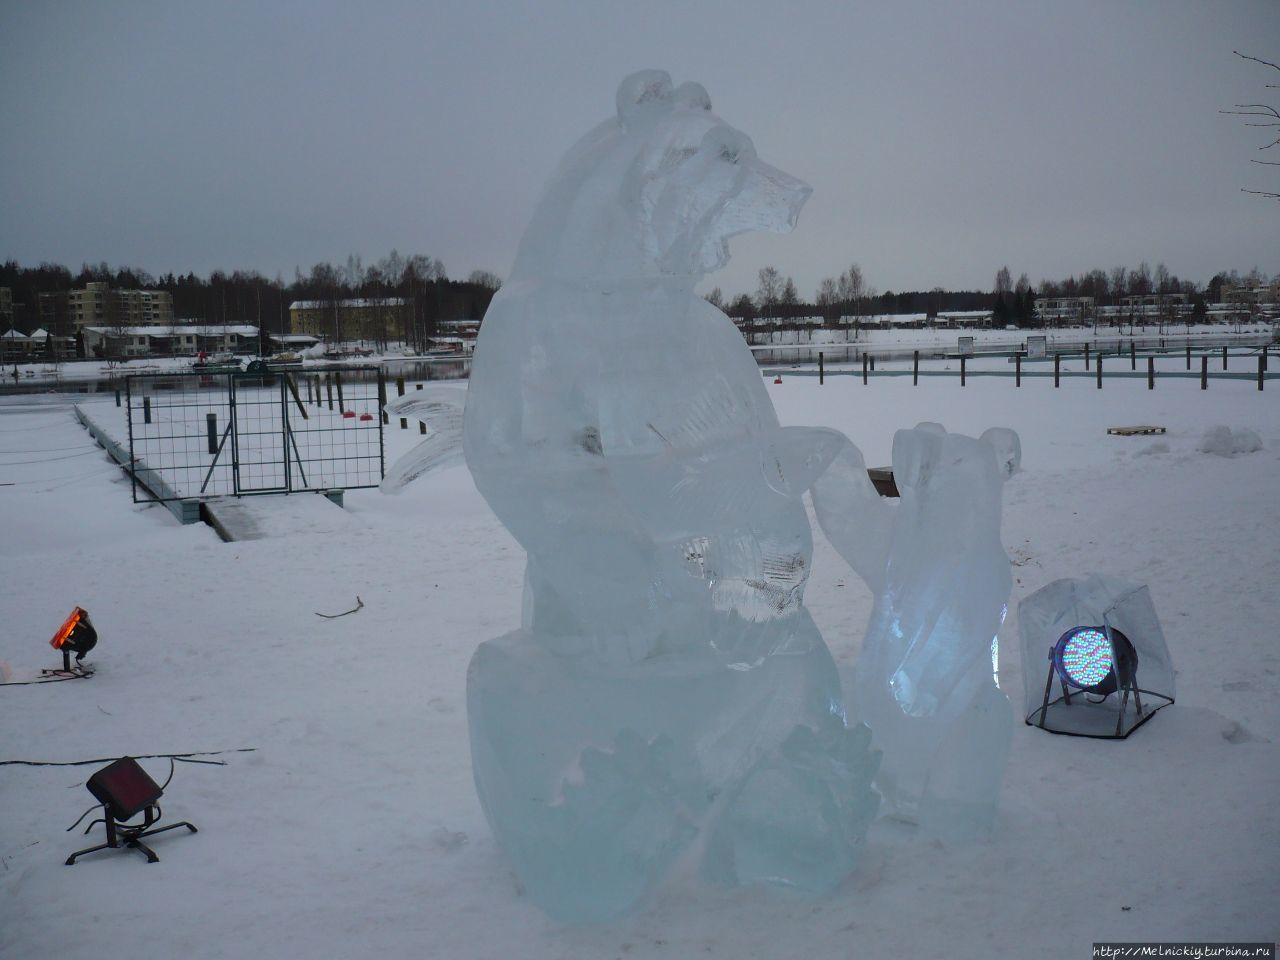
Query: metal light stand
{"x": 123, "y": 835}
{"x": 1128, "y": 675}
{"x": 125, "y": 790}
{"x": 79, "y": 670}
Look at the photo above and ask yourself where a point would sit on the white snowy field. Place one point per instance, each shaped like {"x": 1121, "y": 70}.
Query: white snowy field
{"x": 353, "y": 830}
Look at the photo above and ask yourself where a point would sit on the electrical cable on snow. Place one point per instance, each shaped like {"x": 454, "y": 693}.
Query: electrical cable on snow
{"x": 142, "y": 756}
{"x": 334, "y": 616}
{"x": 56, "y": 678}
{"x": 73, "y": 478}
{"x": 70, "y": 456}
{"x": 78, "y": 446}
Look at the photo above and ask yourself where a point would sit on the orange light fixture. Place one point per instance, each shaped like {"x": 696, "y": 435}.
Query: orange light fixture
{"x": 76, "y": 635}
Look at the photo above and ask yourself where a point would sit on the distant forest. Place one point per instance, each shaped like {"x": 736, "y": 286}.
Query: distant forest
{"x": 1010, "y": 302}
{"x": 249, "y": 297}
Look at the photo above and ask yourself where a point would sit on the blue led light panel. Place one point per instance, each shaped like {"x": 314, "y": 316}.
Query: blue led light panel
{"x": 1084, "y": 656}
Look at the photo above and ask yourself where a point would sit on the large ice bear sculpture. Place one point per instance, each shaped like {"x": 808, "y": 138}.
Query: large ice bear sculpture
{"x": 668, "y": 691}
{"x": 668, "y": 698}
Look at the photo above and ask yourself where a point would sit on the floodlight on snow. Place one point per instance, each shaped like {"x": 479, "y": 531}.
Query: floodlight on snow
{"x": 1096, "y": 660}
{"x": 1096, "y": 632}
{"x": 125, "y": 790}
{"x": 76, "y": 635}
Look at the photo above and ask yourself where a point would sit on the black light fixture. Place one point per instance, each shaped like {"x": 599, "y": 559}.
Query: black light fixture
{"x": 125, "y": 790}
{"x": 1094, "y": 660}
{"x": 76, "y": 635}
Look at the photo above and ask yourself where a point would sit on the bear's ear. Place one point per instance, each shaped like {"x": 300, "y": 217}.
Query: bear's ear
{"x": 638, "y": 93}
{"x": 693, "y": 96}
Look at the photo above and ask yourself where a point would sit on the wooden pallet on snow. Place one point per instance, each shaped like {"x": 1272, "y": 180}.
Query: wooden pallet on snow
{"x": 1134, "y": 431}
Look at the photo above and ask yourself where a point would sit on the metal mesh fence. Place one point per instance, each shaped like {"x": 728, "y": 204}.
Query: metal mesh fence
{"x": 203, "y": 435}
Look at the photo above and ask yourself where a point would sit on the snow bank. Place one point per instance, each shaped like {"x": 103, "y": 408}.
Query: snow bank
{"x": 1222, "y": 442}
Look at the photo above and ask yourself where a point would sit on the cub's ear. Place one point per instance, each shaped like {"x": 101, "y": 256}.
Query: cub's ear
{"x": 692, "y": 96}
{"x": 639, "y": 93}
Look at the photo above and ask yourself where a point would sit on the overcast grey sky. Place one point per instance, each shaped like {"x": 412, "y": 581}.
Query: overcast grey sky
{"x": 941, "y": 140}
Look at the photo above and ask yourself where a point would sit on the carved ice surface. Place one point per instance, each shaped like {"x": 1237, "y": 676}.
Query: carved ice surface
{"x": 668, "y": 695}
{"x": 924, "y": 676}
{"x": 668, "y": 699}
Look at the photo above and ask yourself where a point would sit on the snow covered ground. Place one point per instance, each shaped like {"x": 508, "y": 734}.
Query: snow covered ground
{"x": 353, "y": 828}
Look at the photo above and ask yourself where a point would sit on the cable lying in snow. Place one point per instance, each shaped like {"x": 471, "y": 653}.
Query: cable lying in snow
{"x": 141, "y": 756}
{"x": 335, "y": 616}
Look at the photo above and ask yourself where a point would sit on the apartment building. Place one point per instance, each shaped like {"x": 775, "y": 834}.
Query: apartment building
{"x": 386, "y": 318}
{"x": 1054, "y": 311}
{"x": 96, "y": 304}
{"x": 1251, "y": 293}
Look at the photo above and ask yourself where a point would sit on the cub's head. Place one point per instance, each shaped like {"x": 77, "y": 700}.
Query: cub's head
{"x": 656, "y": 191}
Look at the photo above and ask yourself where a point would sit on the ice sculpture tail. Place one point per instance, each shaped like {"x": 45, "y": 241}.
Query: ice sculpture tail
{"x": 440, "y": 408}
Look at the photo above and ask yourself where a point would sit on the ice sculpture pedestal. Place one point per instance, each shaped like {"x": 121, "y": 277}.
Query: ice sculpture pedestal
{"x": 596, "y": 778}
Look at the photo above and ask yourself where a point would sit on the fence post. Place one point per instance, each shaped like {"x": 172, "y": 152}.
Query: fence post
{"x": 962, "y": 359}
{"x": 1151, "y": 373}
{"x": 1264, "y": 356}
{"x": 342, "y": 403}
{"x": 1057, "y": 370}
{"x": 1224, "y": 358}
{"x": 1099, "y": 371}
{"x": 1017, "y": 369}
{"x": 864, "y": 369}
{"x": 873, "y": 362}
{"x": 1188, "y": 356}
{"x": 146, "y": 409}
{"x": 1086, "y": 356}
{"x": 1133, "y": 357}
{"x": 820, "y": 370}
{"x": 404, "y": 421}
{"x": 915, "y": 368}
{"x": 117, "y": 396}
{"x": 211, "y": 425}
{"x": 1262, "y": 367}
{"x": 328, "y": 385}
{"x": 1204, "y": 372}
{"x": 422, "y": 427}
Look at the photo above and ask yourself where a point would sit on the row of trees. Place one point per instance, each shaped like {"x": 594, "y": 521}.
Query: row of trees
{"x": 1010, "y": 301}
{"x": 247, "y": 297}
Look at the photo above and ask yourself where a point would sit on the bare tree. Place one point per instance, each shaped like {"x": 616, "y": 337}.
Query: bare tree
{"x": 768, "y": 290}
{"x": 1162, "y": 278}
{"x": 715, "y": 298}
{"x": 1119, "y": 283}
{"x": 1267, "y": 116}
{"x": 851, "y": 290}
{"x": 1004, "y": 281}
{"x": 826, "y": 297}
{"x": 1140, "y": 280}
{"x": 486, "y": 279}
